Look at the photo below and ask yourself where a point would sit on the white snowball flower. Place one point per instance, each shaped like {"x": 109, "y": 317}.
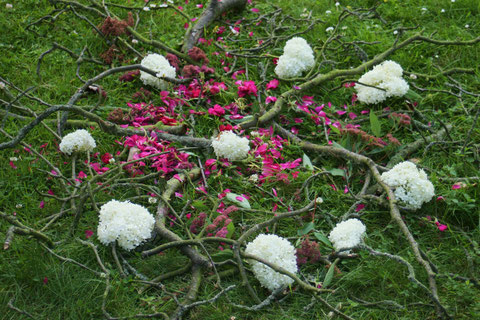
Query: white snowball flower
{"x": 347, "y": 234}
{"x": 77, "y": 141}
{"x": 128, "y": 223}
{"x": 159, "y": 64}
{"x": 297, "y": 57}
{"x": 276, "y": 250}
{"x": 411, "y": 185}
{"x": 288, "y": 67}
{"x": 228, "y": 145}
{"x": 388, "y": 76}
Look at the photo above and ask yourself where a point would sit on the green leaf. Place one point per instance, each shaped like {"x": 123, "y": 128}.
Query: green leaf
{"x": 247, "y": 118}
{"x": 306, "y": 162}
{"x": 231, "y": 230}
{"x": 375, "y": 125}
{"x": 337, "y": 172}
{"x": 336, "y": 145}
{"x": 335, "y": 129}
{"x": 306, "y": 229}
{"x": 222, "y": 255}
{"x": 233, "y": 198}
{"x": 321, "y": 237}
{"x": 329, "y": 275}
{"x": 412, "y": 95}
{"x": 199, "y": 205}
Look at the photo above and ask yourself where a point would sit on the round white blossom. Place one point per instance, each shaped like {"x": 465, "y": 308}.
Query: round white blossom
{"x": 159, "y": 64}
{"x": 347, "y": 234}
{"x": 411, "y": 185}
{"x": 228, "y": 145}
{"x": 77, "y": 141}
{"x": 387, "y": 76}
{"x": 297, "y": 57}
{"x": 275, "y": 250}
{"x": 128, "y": 223}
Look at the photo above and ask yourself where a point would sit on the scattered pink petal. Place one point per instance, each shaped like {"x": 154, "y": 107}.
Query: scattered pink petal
{"x": 82, "y": 175}
{"x": 352, "y": 115}
{"x": 359, "y": 207}
{"x": 178, "y": 195}
{"x": 270, "y": 99}
{"x": 440, "y": 198}
{"x": 88, "y": 233}
{"x": 273, "y": 84}
{"x": 442, "y": 227}
{"x": 255, "y": 10}
{"x": 42, "y": 204}
{"x": 12, "y": 165}
{"x": 45, "y": 280}
{"x": 345, "y": 190}
{"x": 274, "y": 191}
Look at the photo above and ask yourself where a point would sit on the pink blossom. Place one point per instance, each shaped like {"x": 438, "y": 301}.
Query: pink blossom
{"x": 88, "y": 233}
{"x": 352, "y": 115}
{"x": 270, "y": 99}
{"x": 217, "y": 110}
{"x": 246, "y": 88}
{"x": 12, "y": 165}
{"x": 273, "y": 84}
{"x": 178, "y": 195}
{"x": 440, "y": 226}
{"x": 440, "y": 198}
{"x": 255, "y": 10}
{"x": 82, "y": 175}
{"x": 359, "y": 207}
{"x": 456, "y": 186}
{"x": 50, "y": 192}
{"x": 42, "y": 204}
{"x": 345, "y": 190}
{"x": 45, "y": 280}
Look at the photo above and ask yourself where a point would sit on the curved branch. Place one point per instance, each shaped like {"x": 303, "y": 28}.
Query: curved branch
{"x": 214, "y": 9}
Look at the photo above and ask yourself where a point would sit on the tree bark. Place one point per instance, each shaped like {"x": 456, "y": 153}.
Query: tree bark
{"x": 215, "y": 8}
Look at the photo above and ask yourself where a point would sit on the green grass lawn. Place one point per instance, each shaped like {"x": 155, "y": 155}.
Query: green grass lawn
{"x": 444, "y": 81}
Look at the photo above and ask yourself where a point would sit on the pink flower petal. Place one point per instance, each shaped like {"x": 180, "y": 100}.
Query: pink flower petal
{"x": 359, "y": 207}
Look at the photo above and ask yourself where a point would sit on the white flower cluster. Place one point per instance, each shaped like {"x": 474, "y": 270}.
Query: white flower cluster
{"x": 276, "y": 250}
{"x": 347, "y": 234}
{"x": 77, "y": 141}
{"x": 228, "y": 145}
{"x": 297, "y": 57}
{"x": 159, "y": 64}
{"x": 387, "y": 76}
{"x": 411, "y": 185}
{"x": 128, "y": 223}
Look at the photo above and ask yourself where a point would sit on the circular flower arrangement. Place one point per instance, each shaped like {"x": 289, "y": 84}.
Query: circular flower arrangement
{"x": 77, "y": 141}
{"x": 297, "y": 57}
{"x": 159, "y": 64}
{"x": 387, "y": 76}
{"x": 411, "y": 185}
{"x": 347, "y": 234}
{"x": 228, "y": 145}
{"x": 276, "y": 250}
{"x": 128, "y": 223}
